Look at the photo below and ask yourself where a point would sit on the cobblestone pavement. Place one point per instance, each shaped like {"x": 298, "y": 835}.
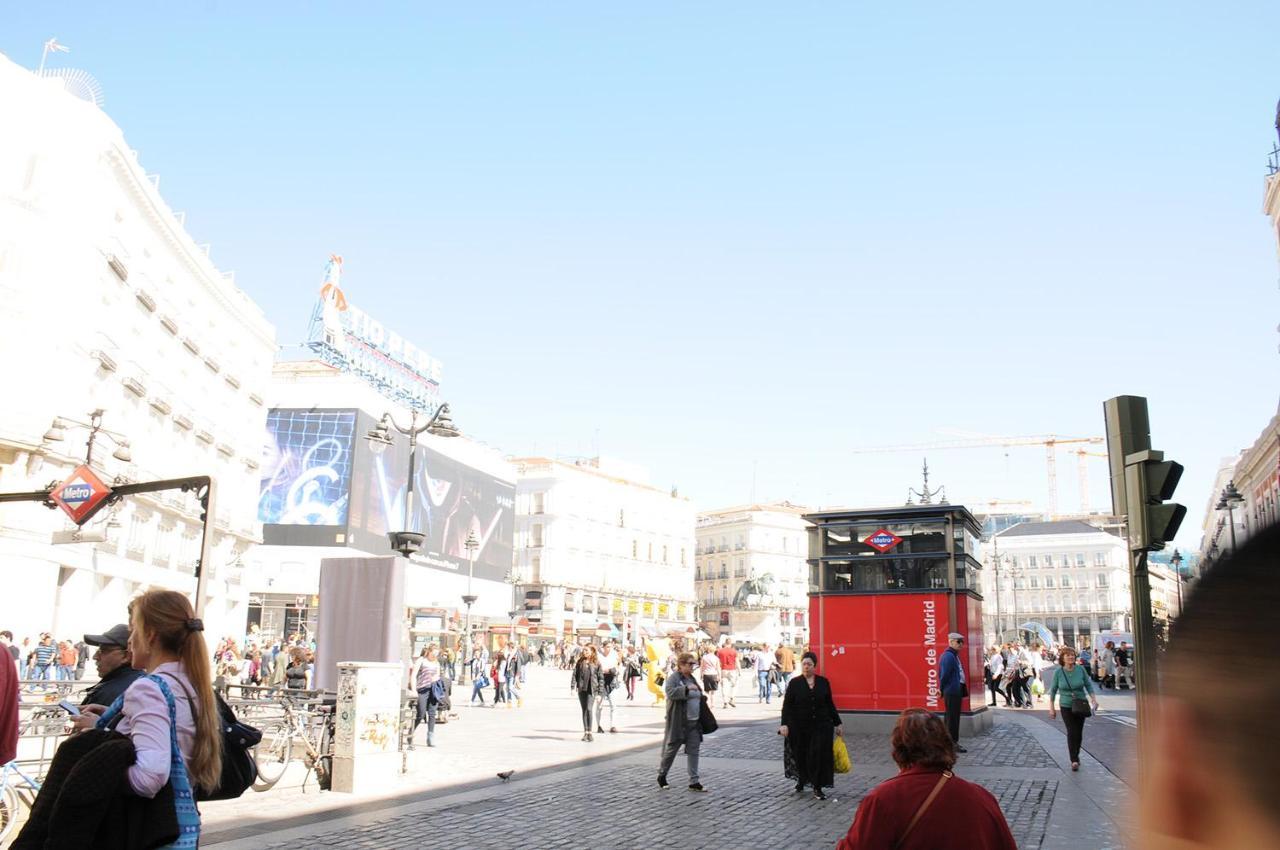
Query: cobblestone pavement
{"x": 1007, "y": 745}
{"x": 746, "y": 789}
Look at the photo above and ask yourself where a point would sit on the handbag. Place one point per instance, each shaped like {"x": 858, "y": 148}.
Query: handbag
{"x": 840, "y": 756}
{"x": 706, "y": 720}
{"x": 239, "y": 770}
{"x": 1079, "y": 705}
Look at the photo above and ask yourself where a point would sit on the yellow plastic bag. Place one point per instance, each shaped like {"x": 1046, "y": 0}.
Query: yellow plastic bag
{"x": 840, "y": 754}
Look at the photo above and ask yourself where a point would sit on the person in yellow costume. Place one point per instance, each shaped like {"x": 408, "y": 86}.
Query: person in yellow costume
{"x": 657, "y": 652}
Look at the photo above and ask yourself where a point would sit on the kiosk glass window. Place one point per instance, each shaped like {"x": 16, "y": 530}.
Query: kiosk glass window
{"x": 917, "y": 538}
{"x": 880, "y": 574}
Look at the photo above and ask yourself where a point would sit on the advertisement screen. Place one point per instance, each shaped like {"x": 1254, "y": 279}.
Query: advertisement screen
{"x": 306, "y": 469}
{"x": 450, "y": 499}
{"x": 881, "y": 652}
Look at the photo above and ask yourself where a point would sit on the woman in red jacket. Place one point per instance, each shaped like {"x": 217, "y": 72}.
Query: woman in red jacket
{"x": 926, "y": 807}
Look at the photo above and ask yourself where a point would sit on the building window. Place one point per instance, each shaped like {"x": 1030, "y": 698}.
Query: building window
{"x": 1066, "y": 581}
{"x": 635, "y": 549}
{"x": 682, "y": 556}
{"x": 1099, "y": 559}
{"x": 1102, "y": 580}
{"x": 664, "y": 554}
{"x": 650, "y": 557}
{"x": 568, "y": 602}
{"x": 535, "y": 534}
{"x": 539, "y": 503}
{"x": 1049, "y": 582}
{"x": 1031, "y": 562}
{"x": 622, "y": 518}
{"x": 1035, "y": 582}
{"x": 1065, "y": 560}
{"x": 1080, "y": 559}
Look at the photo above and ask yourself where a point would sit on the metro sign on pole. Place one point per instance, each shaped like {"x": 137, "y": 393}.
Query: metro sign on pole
{"x": 81, "y": 494}
{"x": 883, "y": 540}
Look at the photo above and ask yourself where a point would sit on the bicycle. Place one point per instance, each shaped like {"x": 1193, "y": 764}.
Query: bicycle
{"x": 17, "y": 790}
{"x": 275, "y": 751}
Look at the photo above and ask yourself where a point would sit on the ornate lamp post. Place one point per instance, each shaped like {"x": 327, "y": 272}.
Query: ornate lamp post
{"x": 471, "y": 544}
{"x": 407, "y": 542}
{"x": 1230, "y": 498}
{"x": 513, "y": 578}
{"x": 57, "y": 433}
{"x": 1175, "y": 560}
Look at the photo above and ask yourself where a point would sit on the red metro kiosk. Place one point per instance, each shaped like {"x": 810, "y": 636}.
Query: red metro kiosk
{"x": 886, "y": 586}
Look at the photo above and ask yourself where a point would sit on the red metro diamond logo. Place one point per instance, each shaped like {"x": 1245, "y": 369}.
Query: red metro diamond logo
{"x": 81, "y": 494}
{"x": 883, "y": 540}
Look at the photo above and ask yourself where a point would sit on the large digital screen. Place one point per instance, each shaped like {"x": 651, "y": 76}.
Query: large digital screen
{"x": 306, "y": 468}
{"x": 450, "y": 498}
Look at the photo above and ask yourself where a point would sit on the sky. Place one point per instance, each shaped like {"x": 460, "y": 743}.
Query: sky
{"x": 741, "y": 243}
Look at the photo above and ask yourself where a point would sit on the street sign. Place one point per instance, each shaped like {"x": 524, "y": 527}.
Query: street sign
{"x": 883, "y": 540}
{"x": 81, "y": 494}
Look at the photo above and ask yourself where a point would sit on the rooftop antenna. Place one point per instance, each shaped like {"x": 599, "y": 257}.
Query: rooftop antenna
{"x": 925, "y": 495}
{"x": 77, "y": 83}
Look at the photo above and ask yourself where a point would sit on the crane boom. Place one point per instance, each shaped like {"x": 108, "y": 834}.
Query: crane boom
{"x": 1049, "y": 441}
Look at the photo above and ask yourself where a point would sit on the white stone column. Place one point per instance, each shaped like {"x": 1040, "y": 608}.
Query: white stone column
{"x": 366, "y": 731}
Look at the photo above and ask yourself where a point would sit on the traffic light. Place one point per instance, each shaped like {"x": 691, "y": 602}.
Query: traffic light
{"x": 1150, "y": 481}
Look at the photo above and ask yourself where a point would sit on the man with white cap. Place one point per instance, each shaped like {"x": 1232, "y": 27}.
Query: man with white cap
{"x": 951, "y": 680}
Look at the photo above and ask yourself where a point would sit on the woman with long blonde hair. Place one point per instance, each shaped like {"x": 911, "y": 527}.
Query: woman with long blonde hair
{"x": 167, "y": 641}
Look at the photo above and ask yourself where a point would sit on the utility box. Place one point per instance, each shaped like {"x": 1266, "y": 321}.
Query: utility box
{"x": 366, "y": 755}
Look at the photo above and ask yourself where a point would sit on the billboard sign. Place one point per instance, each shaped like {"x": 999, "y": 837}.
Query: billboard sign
{"x": 450, "y": 499}
{"x": 304, "y": 492}
{"x": 353, "y": 341}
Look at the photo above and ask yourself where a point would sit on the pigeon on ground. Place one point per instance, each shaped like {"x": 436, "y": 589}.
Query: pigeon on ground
{"x": 505, "y": 775}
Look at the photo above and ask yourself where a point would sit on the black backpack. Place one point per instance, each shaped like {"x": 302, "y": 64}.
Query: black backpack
{"x": 239, "y": 770}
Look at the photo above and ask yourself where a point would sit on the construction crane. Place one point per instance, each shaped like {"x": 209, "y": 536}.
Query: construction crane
{"x": 1049, "y": 441}
{"x": 1082, "y": 474}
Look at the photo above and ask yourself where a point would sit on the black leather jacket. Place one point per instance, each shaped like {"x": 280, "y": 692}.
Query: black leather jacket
{"x": 587, "y": 678}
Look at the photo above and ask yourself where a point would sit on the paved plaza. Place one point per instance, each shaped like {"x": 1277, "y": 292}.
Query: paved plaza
{"x": 567, "y": 793}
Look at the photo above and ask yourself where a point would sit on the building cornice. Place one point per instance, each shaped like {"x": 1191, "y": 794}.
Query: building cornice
{"x": 165, "y": 224}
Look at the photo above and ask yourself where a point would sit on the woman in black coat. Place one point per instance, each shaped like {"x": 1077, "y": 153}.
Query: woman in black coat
{"x": 810, "y": 723}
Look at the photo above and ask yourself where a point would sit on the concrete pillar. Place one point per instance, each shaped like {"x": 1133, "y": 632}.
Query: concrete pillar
{"x": 366, "y": 732}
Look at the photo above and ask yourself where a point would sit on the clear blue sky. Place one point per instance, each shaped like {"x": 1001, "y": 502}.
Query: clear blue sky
{"x": 717, "y": 237}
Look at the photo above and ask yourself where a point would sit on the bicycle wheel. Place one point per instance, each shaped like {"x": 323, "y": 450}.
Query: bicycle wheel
{"x": 9, "y": 811}
{"x": 272, "y": 756}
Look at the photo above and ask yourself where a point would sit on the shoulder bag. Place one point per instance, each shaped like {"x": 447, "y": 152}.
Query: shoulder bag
{"x": 239, "y": 771}
{"x": 1079, "y": 705}
{"x": 706, "y": 720}
{"x": 928, "y": 801}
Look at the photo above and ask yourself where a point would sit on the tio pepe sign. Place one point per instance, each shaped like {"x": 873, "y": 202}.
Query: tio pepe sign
{"x": 81, "y": 494}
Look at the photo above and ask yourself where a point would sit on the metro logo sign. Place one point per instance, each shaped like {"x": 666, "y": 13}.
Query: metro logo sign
{"x": 883, "y": 540}
{"x": 81, "y": 494}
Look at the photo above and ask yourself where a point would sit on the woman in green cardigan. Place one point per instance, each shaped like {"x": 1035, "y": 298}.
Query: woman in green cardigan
{"x": 1071, "y": 682}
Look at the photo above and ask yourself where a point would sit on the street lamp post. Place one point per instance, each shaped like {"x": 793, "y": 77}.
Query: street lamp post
{"x": 1015, "y": 573}
{"x": 407, "y": 541}
{"x": 1230, "y": 498}
{"x": 513, "y": 578}
{"x": 1175, "y": 560}
{"x": 471, "y": 544}
{"x": 57, "y": 433}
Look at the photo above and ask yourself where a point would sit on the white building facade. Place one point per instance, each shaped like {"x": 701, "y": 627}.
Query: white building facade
{"x": 111, "y": 306}
{"x": 599, "y": 548}
{"x": 764, "y": 544}
{"x": 1068, "y": 575}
